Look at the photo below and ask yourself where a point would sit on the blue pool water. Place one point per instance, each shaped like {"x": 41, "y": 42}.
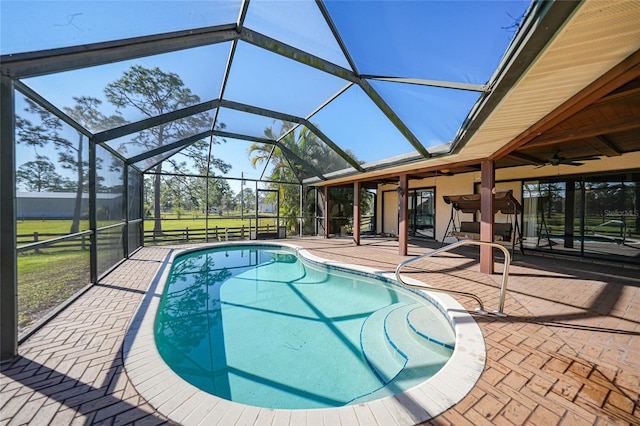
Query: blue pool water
{"x": 259, "y": 326}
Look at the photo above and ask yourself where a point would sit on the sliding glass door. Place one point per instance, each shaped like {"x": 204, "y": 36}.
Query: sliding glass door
{"x": 596, "y": 216}
{"x": 421, "y": 212}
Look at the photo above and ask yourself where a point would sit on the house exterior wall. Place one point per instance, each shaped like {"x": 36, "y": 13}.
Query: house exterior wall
{"x": 506, "y": 179}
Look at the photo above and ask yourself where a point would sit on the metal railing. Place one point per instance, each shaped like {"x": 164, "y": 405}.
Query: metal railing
{"x": 480, "y": 310}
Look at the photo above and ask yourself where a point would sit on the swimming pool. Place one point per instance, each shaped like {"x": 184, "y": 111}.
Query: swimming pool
{"x": 257, "y": 325}
{"x": 358, "y": 334}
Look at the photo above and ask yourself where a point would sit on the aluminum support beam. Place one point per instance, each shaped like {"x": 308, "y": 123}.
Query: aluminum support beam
{"x": 433, "y": 83}
{"x": 125, "y": 187}
{"x": 8, "y": 255}
{"x": 298, "y": 55}
{"x": 290, "y": 52}
{"x": 284, "y": 148}
{"x": 168, "y": 147}
{"x": 93, "y": 218}
{"x": 32, "y": 64}
{"x": 36, "y": 97}
{"x": 293, "y": 119}
{"x": 147, "y": 123}
{"x": 403, "y": 216}
{"x": 393, "y": 117}
{"x": 333, "y": 146}
{"x": 336, "y": 34}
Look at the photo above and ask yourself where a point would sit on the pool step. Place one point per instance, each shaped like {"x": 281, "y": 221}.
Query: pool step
{"x": 384, "y": 360}
{"x": 428, "y": 323}
{"x": 413, "y": 332}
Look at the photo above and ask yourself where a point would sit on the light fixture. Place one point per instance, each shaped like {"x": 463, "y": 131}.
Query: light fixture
{"x": 400, "y": 191}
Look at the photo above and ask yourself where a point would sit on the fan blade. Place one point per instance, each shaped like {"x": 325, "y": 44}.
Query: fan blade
{"x": 592, "y": 157}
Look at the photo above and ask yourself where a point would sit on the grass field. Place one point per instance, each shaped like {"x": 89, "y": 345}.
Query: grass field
{"x": 169, "y": 222}
{"x": 48, "y": 278}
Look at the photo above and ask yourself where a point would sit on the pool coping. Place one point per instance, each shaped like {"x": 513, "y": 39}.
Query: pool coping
{"x": 183, "y": 403}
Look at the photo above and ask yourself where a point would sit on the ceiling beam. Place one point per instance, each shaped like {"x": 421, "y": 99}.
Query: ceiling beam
{"x": 592, "y": 130}
{"x": 393, "y": 176}
{"x": 529, "y": 159}
{"x": 168, "y": 147}
{"x": 237, "y": 106}
{"x": 316, "y": 62}
{"x": 336, "y": 34}
{"x": 42, "y": 62}
{"x": 280, "y": 145}
{"x": 333, "y": 146}
{"x": 150, "y": 122}
{"x": 432, "y": 83}
{"x": 292, "y": 119}
{"x": 275, "y": 46}
{"x": 393, "y": 117}
{"x": 622, "y": 96}
{"x": 603, "y": 145}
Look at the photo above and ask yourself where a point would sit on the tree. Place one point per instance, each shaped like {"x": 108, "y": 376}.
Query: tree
{"x": 219, "y": 193}
{"x": 247, "y": 199}
{"x": 39, "y": 175}
{"x": 85, "y": 112}
{"x": 43, "y": 128}
{"x": 154, "y": 92}
{"x": 306, "y": 146}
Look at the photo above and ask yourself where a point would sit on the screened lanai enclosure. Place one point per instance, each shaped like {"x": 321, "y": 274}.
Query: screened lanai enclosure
{"x": 136, "y": 123}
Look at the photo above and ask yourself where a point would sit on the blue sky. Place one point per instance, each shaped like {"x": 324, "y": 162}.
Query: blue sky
{"x": 456, "y": 41}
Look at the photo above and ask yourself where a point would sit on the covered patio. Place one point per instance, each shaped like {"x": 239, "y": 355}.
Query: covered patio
{"x": 567, "y": 353}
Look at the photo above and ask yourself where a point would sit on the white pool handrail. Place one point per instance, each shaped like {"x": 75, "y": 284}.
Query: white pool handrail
{"x": 480, "y": 310}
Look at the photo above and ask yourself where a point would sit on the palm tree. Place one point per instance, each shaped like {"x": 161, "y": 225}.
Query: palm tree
{"x": 314, "y": 154}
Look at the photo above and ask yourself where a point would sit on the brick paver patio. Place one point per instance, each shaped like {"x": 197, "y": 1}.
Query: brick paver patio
{"x": 568, "y": 353}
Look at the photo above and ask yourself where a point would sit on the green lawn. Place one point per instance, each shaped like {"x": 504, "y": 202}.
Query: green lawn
{"x": 48, "y": 226}
{"x": 48, "y": 278}
{"x": 170, "y": 222}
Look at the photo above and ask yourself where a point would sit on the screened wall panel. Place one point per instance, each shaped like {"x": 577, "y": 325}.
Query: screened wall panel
{"x": 48, "y": 276}
{"x": 110, "y": 247}
{"x": 280, "y": 84}
{"x": 135, "y": 236}
{"x": 68, "y": 23}
{"x": 51, "y": 174}
{"x": 433, "y": 114}
{"x": 110, "y": 202}
{"x": 134, "y": 194}
{"x": 355, "y": 124}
